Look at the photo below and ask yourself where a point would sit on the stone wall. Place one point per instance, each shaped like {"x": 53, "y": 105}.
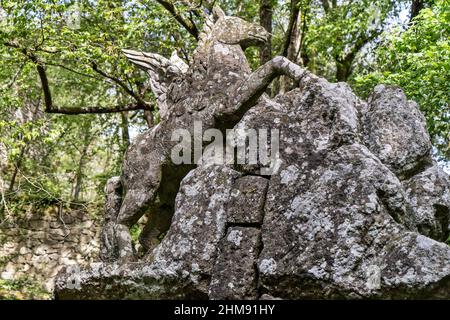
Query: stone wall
{"x": 38, "y": 245}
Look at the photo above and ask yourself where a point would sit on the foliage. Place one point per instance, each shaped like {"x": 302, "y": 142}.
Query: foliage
{"x": 22, "y": 289}
{"x": 48, "y": 155}
{"x": 337, "y": 34}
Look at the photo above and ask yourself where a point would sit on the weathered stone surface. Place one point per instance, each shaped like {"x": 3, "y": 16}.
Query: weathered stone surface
{"x": 185, "y": 258}
{"x": 312, "y": 119}
{"x": 198, "y": 224}
{"x": 266, "y": 296}
{"x": 339, "y": 216}
{"x": 36, "y": 224}
{"x": 203, "y": 92}
{"x": 216, "y": 90}
{"x": 108, "y": 248}
{"x": 124, "y": 281}
{"x": 429, "y": 195}
{"x": 235, "y": 275}
{"x": 414, "y": 266}
{"x": 394, "y": 130}
{"x": 331, "y": 227}
{"x": 247, "y": 200}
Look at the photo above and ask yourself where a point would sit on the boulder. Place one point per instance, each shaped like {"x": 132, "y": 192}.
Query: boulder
{"x": 395, "y": 131}
{"x": 337, "y": 233}
{"x": 429, "y": 195}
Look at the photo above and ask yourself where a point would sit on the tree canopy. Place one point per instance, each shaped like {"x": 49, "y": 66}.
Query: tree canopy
{"x": 70, "y": 102}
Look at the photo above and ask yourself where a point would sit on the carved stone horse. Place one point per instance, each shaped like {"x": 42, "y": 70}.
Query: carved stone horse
{"x": 216, "y": 89}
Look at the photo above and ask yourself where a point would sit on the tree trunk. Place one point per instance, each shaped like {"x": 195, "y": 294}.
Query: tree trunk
{"x": 79, "y": 173}
{"x": 416, "y": 6}
{"x": 343, "y": 70}
{"x": 292, "y": 28}
{"x": 125, "y": 130}
{"x": 16, "y": 169}
{"x": 265, "y": 17}
{"x": 292, "y": 42}
{"x": 89, "y": 137}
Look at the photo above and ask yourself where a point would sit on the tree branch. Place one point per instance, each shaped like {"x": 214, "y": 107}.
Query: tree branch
{"x": 360, "y": 42}
{"x": 14, "y": 79}
{"x": 45, "y": 86}
{"x": 304, "y": 28}
{"x": 326, "y": 6}
{"x": 265, "y": 18}
{"x": 120, "y": 83}
{"x": 72, "y": 70}
{"x": 94, "y": 110}
{"x": 344, "y": 64}
{"x": 187, "y": 24}
{"x": 295, "y": 11}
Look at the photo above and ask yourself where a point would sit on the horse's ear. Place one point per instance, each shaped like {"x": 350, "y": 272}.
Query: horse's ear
{"x": 218, "y": 13}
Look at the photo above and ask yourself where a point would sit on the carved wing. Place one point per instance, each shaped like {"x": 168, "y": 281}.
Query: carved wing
{"x": 178, "y": 63}
{"x": 161, "y": 72}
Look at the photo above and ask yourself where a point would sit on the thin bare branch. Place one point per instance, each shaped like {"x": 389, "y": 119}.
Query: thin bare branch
{"x": 188, "y": 24}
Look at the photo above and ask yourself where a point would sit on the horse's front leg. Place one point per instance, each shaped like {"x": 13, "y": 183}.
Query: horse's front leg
{"x": 247, "y": 94}
{"x": 135, "y": 204}
{"x": 120, "y": 216}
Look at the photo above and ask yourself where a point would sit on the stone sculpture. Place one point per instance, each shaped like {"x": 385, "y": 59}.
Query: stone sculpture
{"x": 357, "y": 209}
{"x": 217, "y": 89}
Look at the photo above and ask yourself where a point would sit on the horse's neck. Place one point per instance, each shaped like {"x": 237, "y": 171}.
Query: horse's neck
{"x": 219, "y": 61}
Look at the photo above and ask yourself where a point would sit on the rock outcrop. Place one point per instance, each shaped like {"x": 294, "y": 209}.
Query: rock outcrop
{"x": 355, "y": 207}
{"x": 335, "y": 220}
{"x": 391, "y": 123}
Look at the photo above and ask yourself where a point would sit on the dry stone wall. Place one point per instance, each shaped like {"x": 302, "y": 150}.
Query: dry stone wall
{"x": 38, "y": 245}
